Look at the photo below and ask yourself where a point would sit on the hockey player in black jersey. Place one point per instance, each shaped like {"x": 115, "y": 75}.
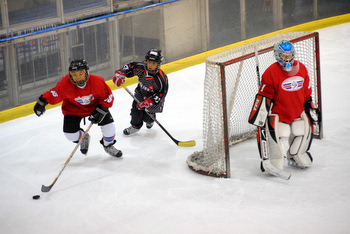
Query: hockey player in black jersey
{"x": 150, "y": 91}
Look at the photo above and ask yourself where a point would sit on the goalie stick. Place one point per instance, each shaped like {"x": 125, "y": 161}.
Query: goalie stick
{"x": 46, "y": 189}
{"x": 179, "y": 143}
{"x": 266, "y": 163}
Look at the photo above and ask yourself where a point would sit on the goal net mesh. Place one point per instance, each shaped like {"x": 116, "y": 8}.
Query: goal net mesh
{"x": 237, "y": 67}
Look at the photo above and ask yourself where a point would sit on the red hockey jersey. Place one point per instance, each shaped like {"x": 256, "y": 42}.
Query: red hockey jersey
{"x": 80, "y": 101}
{"x": 289, "y": 90}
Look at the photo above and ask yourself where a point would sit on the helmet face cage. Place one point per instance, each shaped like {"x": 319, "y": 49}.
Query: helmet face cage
{"x": 78, "y": 65}
{"x": 153, "y": 55}
{"x": 285, "y": 54}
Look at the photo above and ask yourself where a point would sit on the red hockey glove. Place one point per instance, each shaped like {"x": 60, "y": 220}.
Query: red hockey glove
{"x": 119, "y": 78}
{"x": 146, "y": 103}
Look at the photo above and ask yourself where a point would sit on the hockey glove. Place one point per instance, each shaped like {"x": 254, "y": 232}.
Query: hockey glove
{"x": 311, "y": 110}
{"x": 39, "y": 107}
{"x": 146, "y": 103}
{"x": 98, "y": 115}
{"x": 119, "y": 78}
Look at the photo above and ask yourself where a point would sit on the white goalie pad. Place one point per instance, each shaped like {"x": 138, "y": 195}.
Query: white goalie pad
{"x": 276, "y": 148}
{"x": 300, "y": 141}
{"x": 260, "y": 110}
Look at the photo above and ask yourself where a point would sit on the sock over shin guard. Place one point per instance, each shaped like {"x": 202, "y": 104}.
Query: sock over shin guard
{"x": 75, "y": 137}
{"x": 108, "y": 132}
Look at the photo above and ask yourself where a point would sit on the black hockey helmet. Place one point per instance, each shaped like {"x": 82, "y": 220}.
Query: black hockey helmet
{"x": 77, "y": 65}
{"x": 154, "y": 55}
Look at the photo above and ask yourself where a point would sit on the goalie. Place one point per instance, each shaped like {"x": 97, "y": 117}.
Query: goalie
{"x": 283, "y": 109}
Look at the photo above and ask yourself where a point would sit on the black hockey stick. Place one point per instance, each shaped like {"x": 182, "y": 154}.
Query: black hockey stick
{"x": 46, "y": 189}
{"x": 266, "y": 163}
{"x": 179, "y": 143}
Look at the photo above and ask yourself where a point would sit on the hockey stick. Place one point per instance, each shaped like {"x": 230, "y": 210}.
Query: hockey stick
{"x": 179, "y": 143}
{"x": 266, "y": 163}
{"x": 46, "y": 189}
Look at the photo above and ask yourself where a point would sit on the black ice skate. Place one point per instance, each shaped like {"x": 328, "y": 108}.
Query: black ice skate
{"x": 149, "y": 125}
{"x": 130, "y": 130}
{"x": 111, "y": 150}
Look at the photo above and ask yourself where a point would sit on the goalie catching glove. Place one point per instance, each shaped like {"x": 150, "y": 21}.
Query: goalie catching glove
{"x": 119, "y": 78}
{"x": 145, "y": 104}
{"x": 39, "y": 107}
{"x": 311, "y": 110}
{"x": 98, "y": 115}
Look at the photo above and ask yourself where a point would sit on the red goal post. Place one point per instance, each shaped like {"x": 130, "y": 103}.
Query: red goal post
{"x": 230, "y": 87}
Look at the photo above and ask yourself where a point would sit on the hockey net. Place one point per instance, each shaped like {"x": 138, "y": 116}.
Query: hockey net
{"x": 230, "y": 87}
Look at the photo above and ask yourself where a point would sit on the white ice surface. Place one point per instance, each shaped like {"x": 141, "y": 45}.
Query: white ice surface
{"x": 151, "y": 189}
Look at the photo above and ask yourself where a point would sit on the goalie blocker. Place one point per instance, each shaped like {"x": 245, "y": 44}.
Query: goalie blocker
{"x": 260, "y": 110}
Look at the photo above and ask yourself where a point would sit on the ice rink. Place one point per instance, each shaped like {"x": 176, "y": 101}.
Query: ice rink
{"x": 151, "y": 190}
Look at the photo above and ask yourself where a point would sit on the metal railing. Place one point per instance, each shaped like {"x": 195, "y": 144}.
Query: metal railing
{"x": 38, "y": 41}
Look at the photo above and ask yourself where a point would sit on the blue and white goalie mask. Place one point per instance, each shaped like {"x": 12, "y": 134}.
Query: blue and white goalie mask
{"x": 284, "y": 54}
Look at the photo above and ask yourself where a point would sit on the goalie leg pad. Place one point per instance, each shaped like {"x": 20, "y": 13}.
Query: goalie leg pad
{"x": 300, "y": 142}
{"x": 276, "y": 147}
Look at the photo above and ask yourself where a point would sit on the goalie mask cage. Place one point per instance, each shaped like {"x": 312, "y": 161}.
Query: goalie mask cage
{"x": 230, "y": 87}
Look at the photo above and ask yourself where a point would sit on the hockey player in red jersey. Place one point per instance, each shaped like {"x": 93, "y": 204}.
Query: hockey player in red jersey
{"x": 82, "y": 95}
{"x": 150, "y": 91}
{"x": 283, "y": 107}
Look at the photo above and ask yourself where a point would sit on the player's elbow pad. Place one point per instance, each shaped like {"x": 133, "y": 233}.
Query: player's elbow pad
{"x": 260, "y": 110}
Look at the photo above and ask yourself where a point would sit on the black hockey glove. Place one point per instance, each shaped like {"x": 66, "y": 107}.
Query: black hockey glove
{"x": 39, "y": 107}
{"x": 98, "y": 115}
{"x": 311, "y": 110}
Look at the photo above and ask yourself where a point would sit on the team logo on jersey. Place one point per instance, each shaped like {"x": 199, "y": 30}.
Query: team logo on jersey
{"x": 293, "y": 84}
{"x": 54, "y": 93}
{"x": 86, "y": 100}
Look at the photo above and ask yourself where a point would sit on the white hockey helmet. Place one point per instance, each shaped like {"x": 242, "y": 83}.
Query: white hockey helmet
{"x": 284, "y": 54}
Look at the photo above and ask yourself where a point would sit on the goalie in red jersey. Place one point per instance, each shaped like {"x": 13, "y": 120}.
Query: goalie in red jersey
{"x": 150, "y": 91}
{"x": 82, "y": 95}
{"x": 283, "y": 108}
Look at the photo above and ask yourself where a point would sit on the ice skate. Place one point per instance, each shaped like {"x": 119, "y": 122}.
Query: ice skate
{"x": 111, "y": 150}
{"x": 149, "y": 125}
{"x": 130, "y": 130}
{"x": 84, "y": 145}
{"x": 300, "y": 161}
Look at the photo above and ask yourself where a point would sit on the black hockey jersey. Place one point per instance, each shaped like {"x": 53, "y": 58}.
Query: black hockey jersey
{"x": 154, "y": 87}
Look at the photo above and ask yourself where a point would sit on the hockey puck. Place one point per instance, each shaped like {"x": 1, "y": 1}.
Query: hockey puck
{"x": 36, "y": 197}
